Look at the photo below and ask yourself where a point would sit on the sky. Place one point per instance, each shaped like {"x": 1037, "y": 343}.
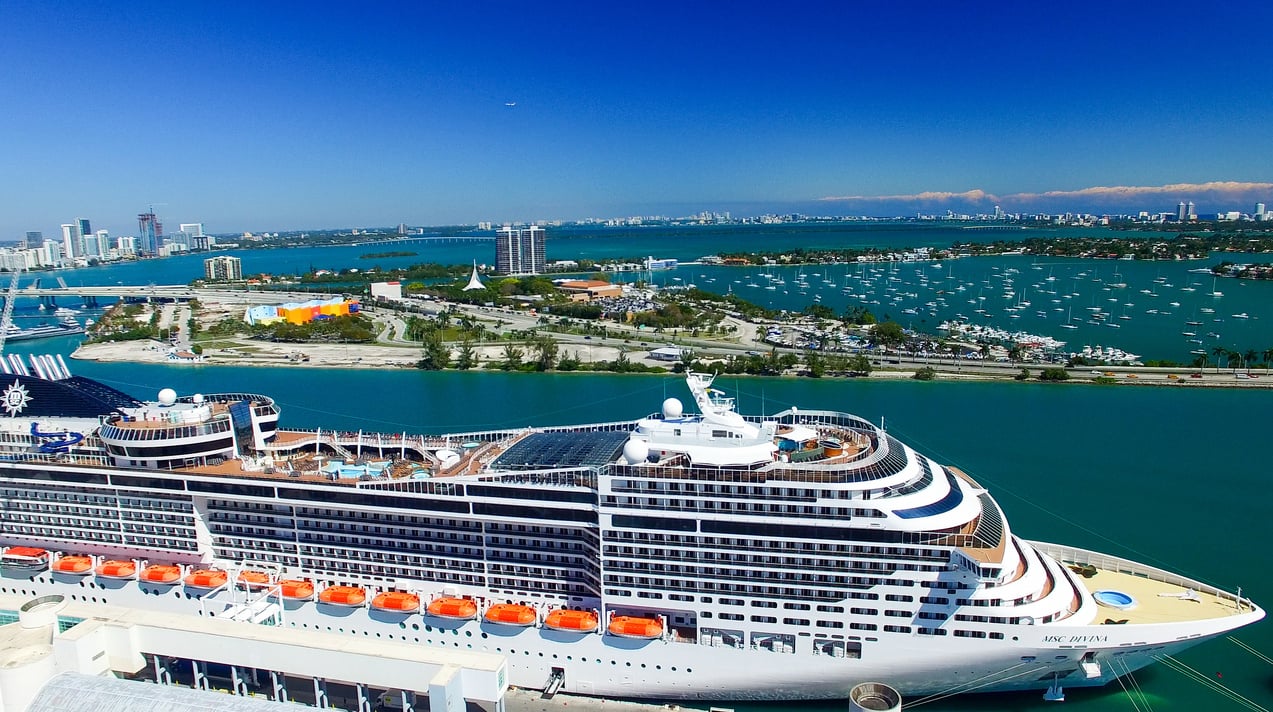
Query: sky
{"x": 278, "y": 115}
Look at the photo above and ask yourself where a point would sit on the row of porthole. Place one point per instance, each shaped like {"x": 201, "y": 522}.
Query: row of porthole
{"x": 511, "y": 651}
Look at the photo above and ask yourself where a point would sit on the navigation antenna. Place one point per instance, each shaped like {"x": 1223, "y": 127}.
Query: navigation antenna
{"x": 7, "y": 318}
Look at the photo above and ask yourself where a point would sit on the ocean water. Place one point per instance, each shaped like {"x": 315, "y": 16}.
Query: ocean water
{"x": 1171, "y": 478}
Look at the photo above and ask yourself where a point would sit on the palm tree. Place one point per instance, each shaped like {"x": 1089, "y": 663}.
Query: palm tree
{"x": 1251, "y": 356}
{"x": 1220, "y": 352}
{"x": 1268, "y": 356}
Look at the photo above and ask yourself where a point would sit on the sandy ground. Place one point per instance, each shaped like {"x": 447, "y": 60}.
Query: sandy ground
{"x": 255, "y": 353}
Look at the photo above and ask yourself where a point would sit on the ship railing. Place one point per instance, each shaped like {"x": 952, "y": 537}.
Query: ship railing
{"x": 57, "y": 458}
{"x": 1073, "y": 555}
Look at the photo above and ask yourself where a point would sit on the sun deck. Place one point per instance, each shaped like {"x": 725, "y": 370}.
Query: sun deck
{"x": 1160, "y": 596}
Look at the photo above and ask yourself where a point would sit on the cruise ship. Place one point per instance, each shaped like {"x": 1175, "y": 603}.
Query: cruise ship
{"x": 695, "y": 553}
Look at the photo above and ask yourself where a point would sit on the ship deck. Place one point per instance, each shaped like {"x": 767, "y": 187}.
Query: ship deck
{"x": 1156, "y": 601}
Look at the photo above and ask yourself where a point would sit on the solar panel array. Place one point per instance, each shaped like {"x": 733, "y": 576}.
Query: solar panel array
{"x": 562, "y": 449}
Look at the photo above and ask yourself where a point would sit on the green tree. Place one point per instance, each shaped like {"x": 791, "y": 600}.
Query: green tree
{"x": 888, "y": 333}
{"x": 436, "y": 355}
{"x": 1054, "y": 374}
{"x": 815, "y": 365}
{"x": 512, "y": 357}
{"x": 860, "y": 365}
{"x": 925, "y": 374}
{"x": 466, "y": 358}
{"x": 545, "y": 353}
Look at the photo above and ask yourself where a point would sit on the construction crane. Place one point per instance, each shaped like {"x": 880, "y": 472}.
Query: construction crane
{"x": 6, "y": 319}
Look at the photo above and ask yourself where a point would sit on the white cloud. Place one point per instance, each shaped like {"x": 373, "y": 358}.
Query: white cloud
{"x": 977, "y": 195}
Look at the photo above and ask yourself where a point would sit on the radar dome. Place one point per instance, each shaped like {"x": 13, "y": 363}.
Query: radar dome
{"x": 167, "y": 396}
{"x": 672, "y": 408}
{"x": 198, "y": 399}
{"x": 635, "y": 451}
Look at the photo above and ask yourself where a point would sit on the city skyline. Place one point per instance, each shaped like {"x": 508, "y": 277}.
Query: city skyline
{"x": 249, "y": 117}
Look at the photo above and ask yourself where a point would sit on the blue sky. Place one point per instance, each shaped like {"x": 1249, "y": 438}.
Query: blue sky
{"x": 268, "y": 116}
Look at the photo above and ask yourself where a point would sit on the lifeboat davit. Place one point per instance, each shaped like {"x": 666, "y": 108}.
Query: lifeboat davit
{"x": 117, "y": 569}
{"x": 396, "y": 602}
{"x": 511, "y": 614}
{"x": 296, "y": 589}
{"x": 161, "y": 573}
{"x": 349, "y": 596}
{"x": 206, "y": 578}
{"x": 457, "y": 608}
{"x": 255, "y": 580}
{"x": 573, "y": 621}
{"x": 74, "y": 564}
{"x": 26, "y": 557}
{"x": 635, "y": 627}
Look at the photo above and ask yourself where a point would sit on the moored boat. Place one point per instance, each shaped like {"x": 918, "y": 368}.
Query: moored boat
{"x": 571, "y": 620}
{"x": 461, "y": 609}
{"x": 511, "y": 614}
{"x": 74, "y": 564}
{"x": 348, "y": 596}
{"x": 635, "y": 627}
{"x": 396, "y": 602}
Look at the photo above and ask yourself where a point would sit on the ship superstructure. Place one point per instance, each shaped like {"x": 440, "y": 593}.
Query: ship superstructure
{"x": 682, "y": 555}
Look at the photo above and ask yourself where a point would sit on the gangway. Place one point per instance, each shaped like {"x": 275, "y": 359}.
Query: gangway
{"x": 555, "y": 681}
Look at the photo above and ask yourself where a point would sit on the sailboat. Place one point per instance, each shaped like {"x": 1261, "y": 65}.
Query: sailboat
{"x": 1214, "y": 293}
{"x": 1069, "y": 320}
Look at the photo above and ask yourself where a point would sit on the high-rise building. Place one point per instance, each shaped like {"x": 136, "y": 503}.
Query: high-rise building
{"x": 150, "y": 231}
{"x": 53, "y": 255}
{"x": 1180, "y": 212}
{"x": 1190, "y": 212}
{"x": 35, "y": 238}
{"x": 223, "y": 268}
{"x": 85, "y": 230}
{"x": 519, "y": 250}
{"x": 69, "y": 238}
{"x": 126, "y": 244}
{"x": 1259, "y": 212}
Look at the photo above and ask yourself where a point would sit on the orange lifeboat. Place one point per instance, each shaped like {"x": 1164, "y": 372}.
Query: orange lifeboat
{"x": 511, "y": 614}
{"x": 74, "y": 564}
{"x": 254, "y": 580}
{"x": 161, "y": 573}
{"x": 396, "y": 602}
{"x": 296, "y": 589}
{"x": 206, "y": 578}
{"x": 573, "y": 621}
{"x": 26, "y": 557}
{"x": 350, "y": 596}
{"x": 635, "y": 627}
{"x": 458, "y": 608}
{"x": 117, "y": 569}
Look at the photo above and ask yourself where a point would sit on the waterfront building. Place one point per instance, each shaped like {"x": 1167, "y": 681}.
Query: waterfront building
{"x": 150, "y": 232}
{"x": 223, "y": 268}
{"x": 1180, "y": 212}
{"x": 519, "y": 250}
{"x": 387, "y": 291}
{"x": 1190, "y": 212}
{"x": 92, "y": 246}
{"x": 1259, "y": 211}
{"x": 53, "y": 253}
{"x": 126, "y": 244}
{"x": 586, "y": 290}
{"x": 34, "y": 238}
{"x": 69, "y": 238}
{"x": 85, "y": 229}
